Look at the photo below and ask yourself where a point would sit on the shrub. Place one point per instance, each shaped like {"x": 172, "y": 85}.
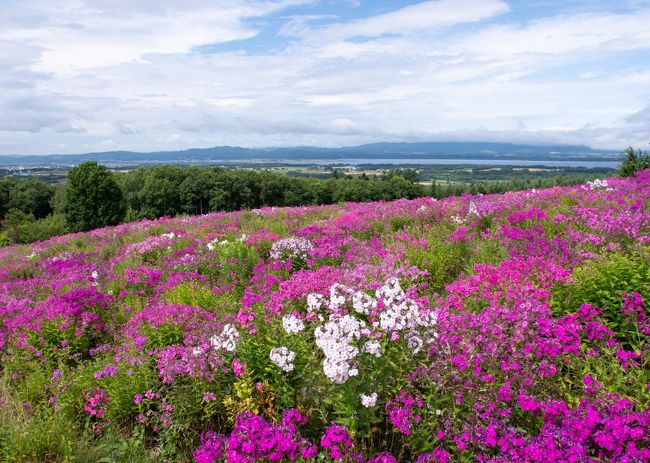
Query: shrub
{"x": 603, "y": 283}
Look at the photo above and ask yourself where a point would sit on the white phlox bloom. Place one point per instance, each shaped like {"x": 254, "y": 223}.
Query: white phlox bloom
{"x": 170, "y": 235}
{"x": 372, "y": 348}
{"x": 283, "y": 358}
{"x": 227, "y": 340}
{"x": 597, "y": 184}
{"x": 362, "y": 303}
{"x": 414, "y": 342}
{"x": 197, "y": 350}
{"x": 391, "y": 292}
{"x": 368, "y": 400}
{"x": 292, "y": 248}
{"x": 335, "y": 339}
{"x": 292, "y": 324}
{"x": 338, "y": 296}
{"x": 212, "y": 245}
{"x": 400, "y": 313}
{"x": 341, "y": 337}
{"x": 338, "y": 371}
{"x": 398, "y": 317}
{"x": 472, "y": 210}
{"x": 315, "y": 302}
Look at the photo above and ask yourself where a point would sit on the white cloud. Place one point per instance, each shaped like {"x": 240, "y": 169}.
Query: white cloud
{"x": 75, "y": 34}
{"x": 425, "y": 16}
{"x": 562, "y": 34}
{"x": 127, "y": 75}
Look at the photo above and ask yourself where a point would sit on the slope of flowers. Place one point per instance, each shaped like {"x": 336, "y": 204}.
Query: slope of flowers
{"x": 480, "y": 328}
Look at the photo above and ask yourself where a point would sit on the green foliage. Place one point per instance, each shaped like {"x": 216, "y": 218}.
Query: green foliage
{"x": 24, "y": 228}
{"x": 4, "y": 239}
{"x": 444, "y": 260}
{"x": 192, "y": 294}
{"x": 93, "y": 198}
{"x": 633, "y": 162}
{"x": 160, "y": 193}
{"x": 35, "y": 437}
{"x": 601, "y": 283}
{"x": 14, "y": 223}
{"x": 29, "y": 196}
{"x": 163, "y": 335}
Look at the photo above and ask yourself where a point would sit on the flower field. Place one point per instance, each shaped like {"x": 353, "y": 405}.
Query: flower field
{"x": 497, "y": 328}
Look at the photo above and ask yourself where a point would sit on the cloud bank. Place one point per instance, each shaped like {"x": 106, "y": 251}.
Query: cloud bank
{"x": 88, "y": 75}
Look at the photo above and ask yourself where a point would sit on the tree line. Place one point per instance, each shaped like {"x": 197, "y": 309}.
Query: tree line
{"x": 94, "y": 196}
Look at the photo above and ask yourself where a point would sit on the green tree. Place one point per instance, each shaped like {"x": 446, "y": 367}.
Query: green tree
{"x": 160, "y": 193}
{"x": 633, "y": 162}
{"x": 4, "y": 197}
{"x": 196, "y": 190}
{"x": 31, "y": 196}
{"x": 14, "y": 224}
{"x": 93, "y": 198}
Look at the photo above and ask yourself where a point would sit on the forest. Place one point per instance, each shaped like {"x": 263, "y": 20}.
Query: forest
{"x": 33, "y": 210}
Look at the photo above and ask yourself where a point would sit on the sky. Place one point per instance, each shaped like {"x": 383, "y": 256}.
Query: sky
{"x": 80, "y": 76}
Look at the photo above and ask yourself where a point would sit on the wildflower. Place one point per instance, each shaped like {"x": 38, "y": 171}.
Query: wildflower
{"x": 369, "y": 400}
{"x": 362, "y": 303}
{"x": 227, "y": 340}
{"x": 291, "y": 248}
{"x": 315, "y": 302}
{"x": 96, "y": 402}
{"x": 337, "y": 440}
{"x": 283, "y": 358}
{"x": 414, "y": 342}
{"x": 238, "y": 367}
{"x": 292, "y": 324}
{"x": 372, "y": 348}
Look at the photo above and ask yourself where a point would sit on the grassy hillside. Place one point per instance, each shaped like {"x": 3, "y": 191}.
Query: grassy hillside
{"x": 486, "y": 328}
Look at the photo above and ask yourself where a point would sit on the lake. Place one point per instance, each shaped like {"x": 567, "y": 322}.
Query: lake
{"x": 493, "y": 162}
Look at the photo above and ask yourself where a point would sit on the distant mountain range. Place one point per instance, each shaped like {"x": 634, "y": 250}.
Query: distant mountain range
{"x": 374, "y": 151}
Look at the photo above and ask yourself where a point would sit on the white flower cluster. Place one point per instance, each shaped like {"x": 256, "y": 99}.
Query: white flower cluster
{"x": 362, "y": 303}
{"x": 372, "y": 348}
{"x": 212, "y": 245}
{"x": 335, "y": 338}
{"x": 340, "y": 335}
{"x": 400, "y": 313}
{"x": 368, "y": 400}
{"x": 283, "y": 358}
{"x": 598, "y": 184}
{"x": 472, "y": 210}
{"x": 291, "y": 248}
{"x": 315, "y": 302}
{"x": 95, "y": 276}
{"x": 292, "y": 324}
{"x": 227, "y": 340}
{"x": 170, "y": 235}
